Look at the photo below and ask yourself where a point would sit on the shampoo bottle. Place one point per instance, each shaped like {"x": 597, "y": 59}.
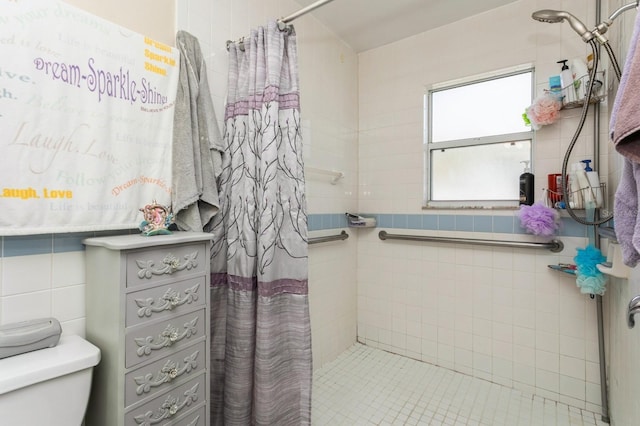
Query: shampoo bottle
{"x": 594, "y": 182}
{"x": 526, "y": 185}
{"x": 580, "y": 188}
{"x": 568, "y": 90}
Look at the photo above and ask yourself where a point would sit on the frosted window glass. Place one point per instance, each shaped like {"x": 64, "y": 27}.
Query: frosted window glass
{"x": 480, "y": 109}
{"x": 478, "y": 173}
{"x": 476, "y": 140}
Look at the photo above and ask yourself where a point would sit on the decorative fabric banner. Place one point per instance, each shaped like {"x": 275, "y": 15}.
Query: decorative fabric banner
{"x": 86, "y": 119}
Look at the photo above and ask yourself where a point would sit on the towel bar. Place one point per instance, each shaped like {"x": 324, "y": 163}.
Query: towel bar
{"x": 341, "y": 236}
{"x": 555, "y": 246}
{"x": 335, "y": 174}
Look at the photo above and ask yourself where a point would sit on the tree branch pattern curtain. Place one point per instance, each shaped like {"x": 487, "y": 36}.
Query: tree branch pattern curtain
{"x": 261, "y": 336}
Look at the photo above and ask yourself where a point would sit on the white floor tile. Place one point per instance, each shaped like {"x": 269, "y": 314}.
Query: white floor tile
{"x": 368, "y": 386}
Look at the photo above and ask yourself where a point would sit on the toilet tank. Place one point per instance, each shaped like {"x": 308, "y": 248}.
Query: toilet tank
{"x": 48, "y": 387}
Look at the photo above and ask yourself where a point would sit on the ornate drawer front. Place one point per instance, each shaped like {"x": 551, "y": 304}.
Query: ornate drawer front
{"x": 197, "y": 418}
{"x": 162, "y": 338}
{"x": 165, "y": 301}
{"x": 161, "y": 374}
{"x": 169, "y": 406}
{"x": 175, "y": 262}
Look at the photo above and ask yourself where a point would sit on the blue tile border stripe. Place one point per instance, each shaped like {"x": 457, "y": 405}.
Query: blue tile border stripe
{"x": 60, "y": 243}
{"x": 27, "y": 245}
{"x": 445, "y": 222}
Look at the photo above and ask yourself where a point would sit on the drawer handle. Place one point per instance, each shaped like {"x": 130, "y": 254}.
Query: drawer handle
{"x": 169, "y": 300}
{"x": 168, "y": 337}
{"x": 170, "y": 371}
{"x": 170, "y": 264}
{"x": 169, "y": 408}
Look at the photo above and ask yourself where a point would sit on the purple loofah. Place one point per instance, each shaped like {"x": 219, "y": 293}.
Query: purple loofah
{"x": 539, "y": 219}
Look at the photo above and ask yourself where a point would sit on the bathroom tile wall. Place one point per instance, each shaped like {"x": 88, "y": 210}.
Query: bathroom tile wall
{"x": 499, "y": 314}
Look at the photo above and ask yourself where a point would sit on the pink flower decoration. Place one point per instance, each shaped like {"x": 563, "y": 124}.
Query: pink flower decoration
{"x": 543, "y": 111}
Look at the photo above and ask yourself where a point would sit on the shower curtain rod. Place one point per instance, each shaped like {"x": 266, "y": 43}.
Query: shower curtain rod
{"x": 555, "y": 246}
{"x": 283, "y": 22}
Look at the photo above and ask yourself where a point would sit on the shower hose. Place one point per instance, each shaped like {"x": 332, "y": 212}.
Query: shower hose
{"x": 583, "y": 117}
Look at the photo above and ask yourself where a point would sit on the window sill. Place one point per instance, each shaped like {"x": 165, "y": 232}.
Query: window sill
{"x": 472, "y": 205}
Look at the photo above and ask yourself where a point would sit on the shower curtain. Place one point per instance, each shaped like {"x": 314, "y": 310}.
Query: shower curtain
{"x": 261, "y": 336}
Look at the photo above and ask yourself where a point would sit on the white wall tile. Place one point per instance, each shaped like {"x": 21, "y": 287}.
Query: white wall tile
{"x": 502, "y": 368}
{"x": 572, "y": 347}
{"x": 548, "y": 361}
{"x": 25, "y": 306}
{"x": 68, "y": 269}
{"x": 524, "y": 355}
{"x": 592, "y": 372}
{"x": 573, "y": 367}
{"x": 25, "y": 274}
{"x": 594, "y": 395}
{"x": 524, "y": 374}
{"x": 547, "y": 380}
{"x": 67, "y": 303}
{"x": 481, "y": 364}
{"x": 75, "y": 326}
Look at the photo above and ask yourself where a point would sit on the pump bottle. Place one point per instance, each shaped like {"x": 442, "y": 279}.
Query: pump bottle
{"x": 526, "y": 185}
{"x": 581, "y": 194}
{"x": 568, "y": 89}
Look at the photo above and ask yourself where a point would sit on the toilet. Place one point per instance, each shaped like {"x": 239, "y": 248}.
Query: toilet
{"x": 48, "y": 387}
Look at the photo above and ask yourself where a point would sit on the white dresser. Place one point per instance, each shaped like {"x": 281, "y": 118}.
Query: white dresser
{"x": 147, "y": 309}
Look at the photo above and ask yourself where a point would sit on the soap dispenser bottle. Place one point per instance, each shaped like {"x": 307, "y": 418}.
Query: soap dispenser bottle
{"x": 526, "y": 185}
{"x": 568, "y": 89}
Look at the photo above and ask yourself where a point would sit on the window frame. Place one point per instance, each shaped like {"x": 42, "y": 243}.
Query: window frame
{"x": 429, "y": 146}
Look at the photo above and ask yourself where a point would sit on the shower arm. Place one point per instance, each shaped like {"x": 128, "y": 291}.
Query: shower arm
{"x": 623, "y": 9}
{"x": 603, "y": 27}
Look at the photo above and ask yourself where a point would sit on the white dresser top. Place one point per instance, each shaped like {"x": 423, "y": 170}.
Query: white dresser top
{"x": 134, "y": 241}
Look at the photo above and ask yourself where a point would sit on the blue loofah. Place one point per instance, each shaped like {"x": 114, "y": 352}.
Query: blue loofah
{"x": 589, "y": 278}
{"x": 592, "y": 285}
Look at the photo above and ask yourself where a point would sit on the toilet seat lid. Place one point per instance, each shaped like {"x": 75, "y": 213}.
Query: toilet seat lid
{"x": 72, "y": 354}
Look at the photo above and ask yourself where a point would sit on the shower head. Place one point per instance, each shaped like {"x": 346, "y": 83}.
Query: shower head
{"x": 546, "y": 15}
{"x": 555, "y": 16}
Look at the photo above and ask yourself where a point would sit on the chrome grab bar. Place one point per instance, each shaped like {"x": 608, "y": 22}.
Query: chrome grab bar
{"x": 555, "y": 246}
{"x": 341, "y": 236}
{"x": 634, "y": 308}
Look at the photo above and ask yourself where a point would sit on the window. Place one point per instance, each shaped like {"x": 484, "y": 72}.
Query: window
{"x": 476, "y": 139}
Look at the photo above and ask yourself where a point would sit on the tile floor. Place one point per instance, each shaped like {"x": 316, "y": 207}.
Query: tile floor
{"x": 367, "y": 386}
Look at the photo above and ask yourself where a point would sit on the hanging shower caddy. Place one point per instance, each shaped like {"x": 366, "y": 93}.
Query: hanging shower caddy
{"x": 597, "y": 95}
